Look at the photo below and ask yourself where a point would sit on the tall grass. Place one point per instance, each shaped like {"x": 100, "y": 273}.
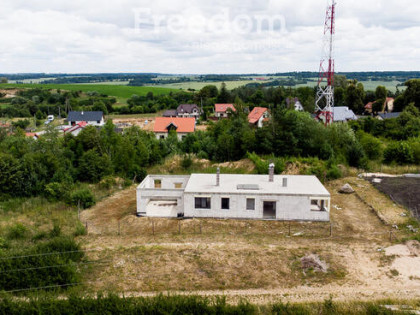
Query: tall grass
{"x": 114, "y": 304}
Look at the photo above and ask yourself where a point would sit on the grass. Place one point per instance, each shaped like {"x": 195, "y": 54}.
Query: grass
{"x": 230, "y": 85}
{"x": 119, "y": 91}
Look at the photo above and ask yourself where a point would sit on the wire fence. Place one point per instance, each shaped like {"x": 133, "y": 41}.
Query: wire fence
{"x": 229, "y": 227}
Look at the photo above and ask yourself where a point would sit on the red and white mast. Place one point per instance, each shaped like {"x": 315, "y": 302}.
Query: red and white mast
{"x": 324, "y": 104}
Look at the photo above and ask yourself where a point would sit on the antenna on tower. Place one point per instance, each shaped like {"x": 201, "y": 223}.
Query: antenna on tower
{"x": 324, "y": 104}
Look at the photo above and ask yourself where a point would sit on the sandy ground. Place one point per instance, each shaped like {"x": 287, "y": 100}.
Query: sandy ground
{"x": 254, "y": 259}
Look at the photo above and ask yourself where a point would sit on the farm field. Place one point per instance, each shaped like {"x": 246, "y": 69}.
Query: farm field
{"x": 256, "y": 260}
{"x": 230, "y": 85}
{"x": 119, "y": 91}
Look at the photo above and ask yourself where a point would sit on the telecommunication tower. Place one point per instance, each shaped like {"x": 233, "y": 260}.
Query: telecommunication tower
{"x": 324, "y": 104}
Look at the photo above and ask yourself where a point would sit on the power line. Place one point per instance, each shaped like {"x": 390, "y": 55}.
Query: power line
{"x": 55, "y": 266}
{"x": 49, "y": 254}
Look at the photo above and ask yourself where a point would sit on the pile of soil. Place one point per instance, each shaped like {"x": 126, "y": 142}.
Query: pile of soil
{"x": 313, "y": 261}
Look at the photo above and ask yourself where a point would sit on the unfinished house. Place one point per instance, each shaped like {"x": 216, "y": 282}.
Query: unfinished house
{"x": 268, "y": 197}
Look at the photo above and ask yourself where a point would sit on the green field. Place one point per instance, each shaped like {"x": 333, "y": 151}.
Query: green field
{"x": 199, "y": 85}
{"x": 119, "y": 91}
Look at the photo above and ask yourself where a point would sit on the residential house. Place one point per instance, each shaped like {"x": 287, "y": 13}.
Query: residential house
{"x": 343, "y": 114}
{"x": 188, "y": 110}
{"x": 32, "y": 135}
{"x": 222, "y": 110}
{"x": 268, "y": 197}
{"x": 387, "y": 107}
{"x": 170, "y": 113}
{"x": 76, "y": 129}
{"x": 257, "y": 116}
{"x": 383, "y": 116}
{"x": 182, "y": 126}
{"x": 91, "y": 118}
{"x": 294, "y": 103}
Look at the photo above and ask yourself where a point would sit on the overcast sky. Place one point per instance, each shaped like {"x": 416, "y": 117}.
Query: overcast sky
{"x": 205, "y": 36}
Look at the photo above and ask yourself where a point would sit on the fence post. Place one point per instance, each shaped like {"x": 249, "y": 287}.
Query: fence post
{"x": 86, "y": 225}
{"x": 78, "y": 209}
{"x": 153, "y": 227}
{"x": 390, "y": 236}
{"x": 289, "y": 228}
{"x": 179, "y": 226}
{"x": 119, "y": 228}
{"x": 201, "y": 231}
{"x": 330, "y": 229}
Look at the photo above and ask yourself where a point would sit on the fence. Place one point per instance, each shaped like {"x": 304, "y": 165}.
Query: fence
{"x": 133, "y": 226}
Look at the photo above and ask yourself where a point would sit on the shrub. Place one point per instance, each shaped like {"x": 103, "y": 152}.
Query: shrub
{"x": 56, "y": 230}
{"x": 399, "y": 152}
{"x": 54, "y": 191}
{"x": 334, "y": 173}
{"x": 17, "y": 231}
{"x": 186, "y": 161}
{"x": 32, "y": 269}
{"x": 80, "y": 230}
{"x": 84, "y": 197}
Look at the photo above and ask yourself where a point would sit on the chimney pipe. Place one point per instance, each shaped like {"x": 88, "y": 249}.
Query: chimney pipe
{"x": 285, "y": 182}
{"x": 218, "y": 177}
{"x": 271, "y": 172}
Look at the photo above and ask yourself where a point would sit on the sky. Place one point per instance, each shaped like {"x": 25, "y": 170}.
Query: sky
{"x": 202, "y": 36}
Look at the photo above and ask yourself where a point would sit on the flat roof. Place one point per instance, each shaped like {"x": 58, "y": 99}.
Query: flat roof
{"x": 296, "y": 184}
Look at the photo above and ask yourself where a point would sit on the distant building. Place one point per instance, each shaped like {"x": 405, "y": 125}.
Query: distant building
{"x": 387, "y": 107}
{"x": 32, "y": 135}
{"x": 269, "y": 197}
{"x": 383, "y": 116}
{"x": 182, "y": 126}
{"x": 343, "y": 114}
{"x": 170, "y": 113}
{"x": 188, "y": 110}
{"x": 222, "y": 110}
{"x": 257, "y": 116}
{"x": 294, "y": 103}
{"x": 76, "y": 129}
{"x": 90, "y": 118}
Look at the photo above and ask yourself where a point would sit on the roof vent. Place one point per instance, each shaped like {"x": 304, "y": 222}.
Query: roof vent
{"x": 218, "y": 177}
{"x": 285, "y": 182}
{"x": 271, "y": 172}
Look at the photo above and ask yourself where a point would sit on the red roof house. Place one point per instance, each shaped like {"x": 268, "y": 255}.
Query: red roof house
{"x": 257, "y": 116}
{"x": 181, "y": 125}
{"x": 221, "y": 110}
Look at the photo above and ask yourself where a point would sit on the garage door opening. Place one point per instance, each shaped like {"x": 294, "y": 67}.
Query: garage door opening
{"x": 269, "y": 210}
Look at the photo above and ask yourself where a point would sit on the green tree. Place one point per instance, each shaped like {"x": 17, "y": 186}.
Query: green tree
{"x": 224, "y": 95}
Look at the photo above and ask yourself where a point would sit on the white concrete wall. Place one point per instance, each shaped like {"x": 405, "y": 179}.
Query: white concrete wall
{"x": 146, "y": 191}
{"x": 287, "y": 207}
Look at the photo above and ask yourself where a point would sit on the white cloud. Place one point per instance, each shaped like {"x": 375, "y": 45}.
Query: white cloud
{"x": 99, "y": 36}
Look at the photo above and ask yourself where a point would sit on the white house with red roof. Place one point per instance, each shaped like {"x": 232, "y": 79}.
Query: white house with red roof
{"x": 76, "y": 129}
{"x": 257, "y": 116}
{"x": 222, "y": 110}
{"x": 181, "y": 125}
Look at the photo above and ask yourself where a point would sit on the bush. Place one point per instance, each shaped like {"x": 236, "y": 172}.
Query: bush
{"x": 399, "y": 152}
{"x": 84, "y": 197}
{"x": 80, "y": 230}
{"x": 54, "y": 191}
{"x": 334, "y": 173}
{"x": 17, "y": 231}
{"x": 56, "y": 230}
{"x": 186, "y": 161}
{"x": 371, "y": 145}
{"x": 35, "y": 269}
